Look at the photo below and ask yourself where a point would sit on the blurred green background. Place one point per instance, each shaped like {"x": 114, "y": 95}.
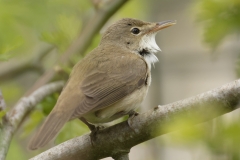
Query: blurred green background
{"x": 200, "y": 53}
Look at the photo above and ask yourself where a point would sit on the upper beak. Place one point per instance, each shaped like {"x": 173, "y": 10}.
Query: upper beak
{"x": 163, "y": 24}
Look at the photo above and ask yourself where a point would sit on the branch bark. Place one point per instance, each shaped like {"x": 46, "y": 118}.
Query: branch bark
{"x": 121, "y": 137}
{"x": 2, "y": 102}
{"x": 121, "y": 156}
{"x": 81, "y": 44}
{"x": 14, "y": 117}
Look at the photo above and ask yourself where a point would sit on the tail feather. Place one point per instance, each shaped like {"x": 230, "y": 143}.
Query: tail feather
{"x": 48, "y": 130}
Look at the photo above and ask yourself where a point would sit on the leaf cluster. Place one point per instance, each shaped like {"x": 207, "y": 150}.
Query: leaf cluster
{"x": 219, "y": 18}
{"x": 23, "y": 22}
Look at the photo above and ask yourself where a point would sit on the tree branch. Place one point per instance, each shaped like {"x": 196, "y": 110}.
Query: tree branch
{"x": 121, "y": 156}
{"x": 14, "y": 117}
{"x": 11, "y": 70}
{"x": 2, "y": 102}
{"x": 81, "y": 44}
{"x": 122, "y": 137}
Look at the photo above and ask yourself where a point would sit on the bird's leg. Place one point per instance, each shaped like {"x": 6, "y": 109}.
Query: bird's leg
{"x": 94, "y": 129}
{"x": 132, "y": 114}
{"x": 90, "y": 126}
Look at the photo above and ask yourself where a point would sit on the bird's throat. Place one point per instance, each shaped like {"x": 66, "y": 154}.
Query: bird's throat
{"x": 148, "y": 47}
{"x": 148, "y": 43}
{"x": 144, "y": 52}
{"x": 149, "y": 57}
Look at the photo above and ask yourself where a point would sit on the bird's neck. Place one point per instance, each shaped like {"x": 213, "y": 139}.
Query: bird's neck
{"x": 148, "y": 56}
{"x": 148, "y": 48}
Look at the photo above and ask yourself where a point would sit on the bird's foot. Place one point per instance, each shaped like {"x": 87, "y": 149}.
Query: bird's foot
{"x": 131, "y": 115}
{"x": 93, "y": 134}
{"x": 94, "y": 129}
{"x": 157, "y": 107}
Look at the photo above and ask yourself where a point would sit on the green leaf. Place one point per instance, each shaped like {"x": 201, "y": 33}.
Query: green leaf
{"x": 48, "y": 103}
{"x": 219, "y": 18}
{"x": 2, "y": 114}
{"x": 23, "y": 21}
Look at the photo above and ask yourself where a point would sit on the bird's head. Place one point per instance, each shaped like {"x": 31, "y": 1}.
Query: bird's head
{"x": 136, "y": 35}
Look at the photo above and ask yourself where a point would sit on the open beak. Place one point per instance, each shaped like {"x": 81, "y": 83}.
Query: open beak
{"x": 162, "y": 25}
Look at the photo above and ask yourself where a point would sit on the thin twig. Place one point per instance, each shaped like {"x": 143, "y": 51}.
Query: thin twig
{"x": 15, "y": 68}
{"x": 125, "y": 135}
{"x": 2, "y": 102}
{"x": 14, "y": 117}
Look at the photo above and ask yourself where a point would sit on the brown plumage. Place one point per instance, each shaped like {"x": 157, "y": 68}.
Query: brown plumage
{"x": 109, "y": 82}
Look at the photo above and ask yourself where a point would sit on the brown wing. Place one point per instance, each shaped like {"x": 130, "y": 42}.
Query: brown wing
{"x": 106, "y": 85}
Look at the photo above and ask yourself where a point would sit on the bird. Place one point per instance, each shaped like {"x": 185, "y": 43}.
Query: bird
{"x": 109, "y": 82}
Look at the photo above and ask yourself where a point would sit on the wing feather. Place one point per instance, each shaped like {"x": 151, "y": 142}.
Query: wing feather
{"x": 105, "y": 86}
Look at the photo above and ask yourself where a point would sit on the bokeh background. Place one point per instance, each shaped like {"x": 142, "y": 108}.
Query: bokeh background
{"x": 198, "y": 54}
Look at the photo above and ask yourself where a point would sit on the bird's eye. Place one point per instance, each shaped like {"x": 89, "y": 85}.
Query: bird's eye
{"x": 135, "y": 31}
